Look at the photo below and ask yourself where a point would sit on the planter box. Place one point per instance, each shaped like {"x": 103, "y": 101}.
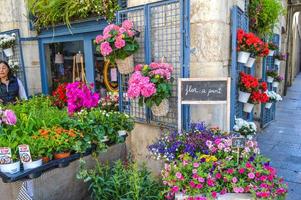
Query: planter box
{"x": 61, "y": 183}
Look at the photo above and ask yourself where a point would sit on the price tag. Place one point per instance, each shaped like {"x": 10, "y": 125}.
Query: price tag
{"x": 5, "y": 155}
{"x": 113, "y": 74}
{"x": 238, "y": 142}
{"x": 24, "y": 153}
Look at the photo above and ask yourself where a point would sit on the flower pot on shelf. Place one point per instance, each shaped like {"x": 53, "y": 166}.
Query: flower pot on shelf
{"x": 248, "y": 107}
{"x": 11, "y": 168}
{"x": 33, "y": 164}
{"x": 270, "y": 79}
{"x": 243, "y": 57}
{"x": 271, "y": 52}
{"x": 243, "y": 96}
{"x": 61, "y": 155}
{"x": 250, "y": 62}
{"x": 275, "y": 84}
{"x": 162, "y": 109}
{"x": 8, "y": 52}
{"x": 268, "y": 105}
{"x": 122, "y": 133}
{"x": 125, "y": 66}
{"x": 277, "y": 62}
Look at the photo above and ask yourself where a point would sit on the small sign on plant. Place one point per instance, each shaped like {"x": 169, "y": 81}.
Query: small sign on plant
{"x": 24, "y": 153}
{"x": 5, "y": 155}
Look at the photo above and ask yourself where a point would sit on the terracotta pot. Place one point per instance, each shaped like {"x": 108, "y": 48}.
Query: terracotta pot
{"x": 61, "y": 155}
{"x": 45, "y": 159}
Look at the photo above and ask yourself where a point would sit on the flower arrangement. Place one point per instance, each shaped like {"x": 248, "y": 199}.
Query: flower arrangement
{"x": 244, "y": 127}
{"x": 273, "y": 96}
{"x": 173, "y": 144}
{"x": 272, "y": 73}
{"x": 151, "y": 83}
{"x": 7, "y": 41}
{"x": 110, "y": 102}
{"x": 258, "y": 97}
{"x": 117, "y": 42}
{"x": 59, "y": 96}
{"x": 79, "y": 96}
{"x": 248, "y": 83}
{"x": 280, "y": 56}
{"x": 279, "y": 78}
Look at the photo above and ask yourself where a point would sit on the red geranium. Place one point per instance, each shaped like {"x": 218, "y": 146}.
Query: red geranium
{"x": 264, "y": 98}
{"x": 248, "y": 83}
{"x": 264, "y": 86}
{"x": 59, "y": 96}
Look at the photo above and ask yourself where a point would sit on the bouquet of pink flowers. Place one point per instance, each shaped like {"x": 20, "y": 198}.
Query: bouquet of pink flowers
{"x": 117, "y": 42}
{"x": 79, "y": 96}
{"x": 151, "y": 83}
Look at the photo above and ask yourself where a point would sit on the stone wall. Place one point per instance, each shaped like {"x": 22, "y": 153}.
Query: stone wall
{"x": 14, "y": 16}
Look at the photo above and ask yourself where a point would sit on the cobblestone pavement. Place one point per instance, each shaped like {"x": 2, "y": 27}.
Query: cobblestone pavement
{"x": 281, "y": 140}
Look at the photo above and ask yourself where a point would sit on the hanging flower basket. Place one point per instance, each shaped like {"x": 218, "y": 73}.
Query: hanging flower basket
{"x": 271, "y": 52}
{"x": 268, "y": 105}
{"x": 248, "y": 107}
{"x": 11, "y": 168}
{"x": 275, "y": 84}
{"x": 162, "y": 109}
{"x": 125, "y": 66}
{"x": 243, "y": 57}
{"x": 270, "y": 79}
{"x": 250, "y": 62}
{"x": 243, "y": 96}
{"x": 8, "y": 52}
{"x": 32, "y": 165}
{"x": 277, "y": 62}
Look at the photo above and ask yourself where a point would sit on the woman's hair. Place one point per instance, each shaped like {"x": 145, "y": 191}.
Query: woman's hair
{"x": 9, "y": 75}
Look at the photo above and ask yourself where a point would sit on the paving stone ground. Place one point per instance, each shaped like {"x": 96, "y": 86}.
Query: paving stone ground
{"x": 281, "y": 140}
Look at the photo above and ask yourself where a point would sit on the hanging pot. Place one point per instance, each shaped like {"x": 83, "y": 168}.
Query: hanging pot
{"x": 11, "y": 168}
{"x": 243, "y": 57}
{"x": 162, "y": 109}
{"x": 8, "y": 52}
{"x": 121, "y": 133}
{"x": 250, "y": 62}
{"x": 275, "y": 84}
{"x": 277, "y": 62}
{"x": 271, "y": 52}
{"x": 243, "y": 96}
{"x": 270, "y": 79}
{"x": 248, "y": 107}
{"x": 33, "y": 164}
{"x": 62, "y": 155}
{"x": 125, "y": 66}
{"x": 268, "y": 105}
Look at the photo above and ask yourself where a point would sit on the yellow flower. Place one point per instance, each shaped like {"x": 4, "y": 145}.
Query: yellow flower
{"x": 157, "y": 76}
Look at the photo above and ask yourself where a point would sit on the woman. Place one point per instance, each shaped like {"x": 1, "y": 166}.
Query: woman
{"x": 11, "y": 88}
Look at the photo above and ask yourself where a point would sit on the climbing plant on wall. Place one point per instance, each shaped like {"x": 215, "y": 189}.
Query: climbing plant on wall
{"x": 52, "y": 12}
{"x": 264, "y": 15}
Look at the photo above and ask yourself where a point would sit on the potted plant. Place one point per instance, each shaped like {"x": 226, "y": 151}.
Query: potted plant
{"x": 125, "y": 125}
{"x": 243, "y": 47}
{"x": 118, "y": 44}
{"x": 271, "y": 74}
{"x": 7, "y": 42}
{"x": 62, "y": 144}
{"x": 273, "y": 98}
{"x": 255, "y": 98}
{"x": 14, "y": 66}
{"x": 272, "y": 47}
{"x": 9, "y": 162}
{"x": 35, "y": 147}
{"x": 152, "y": 84}
{"x": 247, "y": 83}
{"x": 277, "y": 81}
{"x": 278, "y": 58}
{"x": 245, "y": 128}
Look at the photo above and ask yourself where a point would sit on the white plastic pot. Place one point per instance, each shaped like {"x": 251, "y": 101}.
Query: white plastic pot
{"x": 268, "y": 105}
{"x": 277, "y": 62}
{"x": 8, "y": 52}
{"x": 250, "y": 62}
{"x": 275, "y": 84}
{"x": 243, "y": 57}
{"x": 121, "y": 133}
{"x": 243, "y": 96}
{"x": 105, "y": 139}
{"x": 33, "y": 164}
{"x": 10, "y": 168}
{"x": 248, "y": 107}
{"x": 270, "y": 79}
{"x": 271, "y": 53}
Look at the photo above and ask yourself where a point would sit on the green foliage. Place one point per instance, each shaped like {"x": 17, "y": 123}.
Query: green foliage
{"x": 264, "y": 15}
{"x": 52, "y": 12}
{"x": 127, "y": 182}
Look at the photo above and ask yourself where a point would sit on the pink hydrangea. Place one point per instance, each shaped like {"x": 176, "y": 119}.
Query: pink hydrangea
{"x": 138, "y": 67}
{"x": 105, "y": 49}
{"x": 148, "y": 90}
{"x": 127, "y": 24}
{"x": 9, "y": 117}
{"x": 99, "y": 39}
{"x": 119, "y": 43}
{"x": 109, "y": 28}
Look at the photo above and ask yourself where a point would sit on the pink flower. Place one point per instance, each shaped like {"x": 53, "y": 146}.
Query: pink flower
{"x": 199, "y": 186}
{"x": 217, "y": 141}
{"x": 238, "y": 189}
{"x": 208, "y": 143}
{"x": 224, "y": 191}
{"x": 191, "y": 184}
{"x": 196, "y": 165}
{"x": 214, "y": 194}
{"x": 281, "y": 191}
{"x": 130, "y": 33}
{"x": 138, "y": 67}
{"x": 251, "y": 175}
{"x": 99, "y": 39}
{"x": 167, "y": 167}
{"x": 105, "y": 49}
{"x": 194, "y": 171}
{"x": 179, "y": 175}
{"x": 263, "y": 178}
{"x": 218, "y": 176}
{"x": 230, "y": 171}
{"x": 119, "y": 43}
{"x": 201, "y": 179}
{"x": 210, "y": 182}
{"x": 241, "y": 170}
{"x": 195, "y": 176}
{"x": 106, "y": 36}
{"x": 109, "y": 28}
{"x": 148, "y": 90}
{"x": 127, "y": 24}
{"x": 175, "y": 189}
{"x": 122, "y": 30}
{"x": 234, "y": 180}
{"x": 248, "y": 165}
{"x": 9, "y": 117}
